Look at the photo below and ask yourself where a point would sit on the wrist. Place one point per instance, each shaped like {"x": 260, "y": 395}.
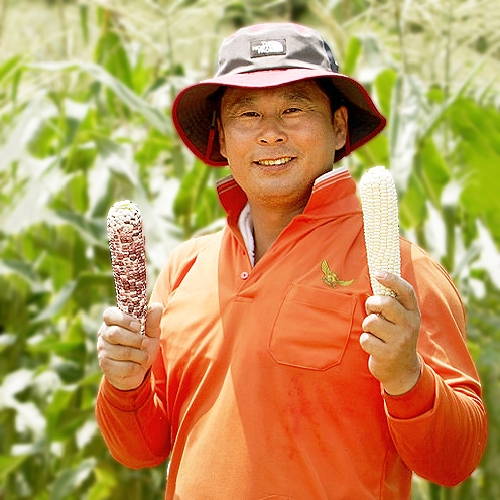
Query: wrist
{"x": 405, "y": 382}
{"x": 415, "y": 402}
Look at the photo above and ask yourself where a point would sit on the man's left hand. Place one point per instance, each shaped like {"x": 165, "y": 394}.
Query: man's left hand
{"x": 390, "y": 335}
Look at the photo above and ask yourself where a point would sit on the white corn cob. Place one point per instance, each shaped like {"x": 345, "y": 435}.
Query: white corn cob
{"x": 379, "y": 202}
{"x": 128, "y": 259}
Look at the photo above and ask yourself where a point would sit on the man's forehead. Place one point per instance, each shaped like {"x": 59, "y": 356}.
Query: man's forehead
{"x": 295, "y": 90}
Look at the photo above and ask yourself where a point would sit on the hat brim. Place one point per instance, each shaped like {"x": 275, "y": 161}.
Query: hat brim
{"x": 193, "y": 109}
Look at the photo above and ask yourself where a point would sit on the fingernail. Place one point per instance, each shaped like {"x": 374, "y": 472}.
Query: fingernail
{"x": 135, "y": 325}
{"x": 382, "y": 275}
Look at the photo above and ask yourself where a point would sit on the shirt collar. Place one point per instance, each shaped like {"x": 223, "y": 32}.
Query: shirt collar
{"x": 330, "y": 192}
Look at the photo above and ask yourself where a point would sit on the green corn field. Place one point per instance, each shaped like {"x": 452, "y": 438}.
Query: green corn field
{"x": 85, "y": 94}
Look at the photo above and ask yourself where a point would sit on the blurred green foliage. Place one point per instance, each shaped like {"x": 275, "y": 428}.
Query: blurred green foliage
{"x": 85, "y": 122}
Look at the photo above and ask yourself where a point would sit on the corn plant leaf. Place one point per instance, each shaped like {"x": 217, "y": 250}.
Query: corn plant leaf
{"x": 111, "y": 54}
{"x": 433, "y": 171}
{"x": 79, "y": 135}
{"x": 69, "y": 480}
{"x": 479, "y": 156}
{"x": 6, "y": 341}
{"x": 22, "y": 269}
{"x": 24, "y": 129}
{"x": 54, "y": 345}
{"x": 9, "y": 464}
{"x": 31, "y": 204}
{"x": 92, "y": 231}
{"x": 133, "y": 101}
{"x": 9, "y": 67}
{"x": 106, "y": 482}
{"x": 438, "y": 114}
{"x": 354, "y": 50}
{"x": 384, "y": 85}
{"x": 59, "y": 302}
{"x": 63, "y": 415}
{"x": 16, "y": 382}
{"x": 84, "y": 21}
{"x": 403, "y": 129}
{"x": 412, "y": 207}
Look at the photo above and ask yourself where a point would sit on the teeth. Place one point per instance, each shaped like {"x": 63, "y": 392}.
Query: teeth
{"x": 279, "y": 161}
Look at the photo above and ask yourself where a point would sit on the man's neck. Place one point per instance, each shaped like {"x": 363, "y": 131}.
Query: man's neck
{"x": 268, "y": 224}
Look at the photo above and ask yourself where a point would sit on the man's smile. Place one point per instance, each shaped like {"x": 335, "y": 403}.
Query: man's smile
{"x": 277, "y": 161}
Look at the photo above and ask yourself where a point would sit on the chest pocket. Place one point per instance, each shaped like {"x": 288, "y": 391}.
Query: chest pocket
{"x": 312, "y": 327}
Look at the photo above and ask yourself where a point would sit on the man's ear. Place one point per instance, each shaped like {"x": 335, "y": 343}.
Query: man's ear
{"x": 339, "y": 122}
{"x": 222, "y": 138}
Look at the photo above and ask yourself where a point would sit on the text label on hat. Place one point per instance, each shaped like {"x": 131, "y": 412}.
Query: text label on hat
{"x": 260, "y": 48}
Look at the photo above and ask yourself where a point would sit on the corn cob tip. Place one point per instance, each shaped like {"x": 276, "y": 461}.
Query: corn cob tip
{"x": 128, "y": 258}
{"x": 379, "y": 203}
{"x": 123, "y": 217}
{"x": 123, "y": 205}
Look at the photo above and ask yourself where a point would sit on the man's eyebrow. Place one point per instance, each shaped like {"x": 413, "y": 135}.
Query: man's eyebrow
{"x": 236, "y": 104}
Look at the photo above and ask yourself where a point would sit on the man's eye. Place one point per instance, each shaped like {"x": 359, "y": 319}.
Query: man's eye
{"x": 250, "y": 114}
{"x": 292, "y": 110}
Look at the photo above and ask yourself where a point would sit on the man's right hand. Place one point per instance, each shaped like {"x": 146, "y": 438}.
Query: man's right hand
{"x": 125, "y": 356}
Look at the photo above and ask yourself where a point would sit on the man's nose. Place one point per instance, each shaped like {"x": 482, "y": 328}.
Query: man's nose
{"x": 272, "y": 131}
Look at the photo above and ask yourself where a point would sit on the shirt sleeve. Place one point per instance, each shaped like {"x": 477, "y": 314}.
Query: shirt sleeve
{"x": 134, "y": 424}
{"x": 439, "y": 427}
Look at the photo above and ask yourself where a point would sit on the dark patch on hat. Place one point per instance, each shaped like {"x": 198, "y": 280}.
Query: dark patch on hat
{"x": 262, "y": 48}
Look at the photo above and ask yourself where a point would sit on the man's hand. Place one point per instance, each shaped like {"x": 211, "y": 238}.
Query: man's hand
{"x": 391, "y": 332}
{"x": 124, "y": 355}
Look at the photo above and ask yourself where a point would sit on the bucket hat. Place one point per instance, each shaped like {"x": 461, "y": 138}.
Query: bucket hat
{"x": 269, "y": 55}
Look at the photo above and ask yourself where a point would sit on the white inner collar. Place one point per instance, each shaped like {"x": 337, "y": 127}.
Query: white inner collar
{"x": 245, "y": 225}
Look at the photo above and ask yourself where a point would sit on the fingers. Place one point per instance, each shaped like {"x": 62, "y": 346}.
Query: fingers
{"x": 116, "y": 344}
{"x": 124, "y": 355}
{"x": 119, "y": 329}
{"x": 113, "y": 316}
{"x": 394, "y": 309}
{"x": 380, "y": 327}
{"x": 390, "y": 335}
{"x": 405, "y": 293}
{"x": 389, "y": 321}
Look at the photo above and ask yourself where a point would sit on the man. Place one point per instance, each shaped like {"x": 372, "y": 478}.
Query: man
{"x": 258, "y": 378}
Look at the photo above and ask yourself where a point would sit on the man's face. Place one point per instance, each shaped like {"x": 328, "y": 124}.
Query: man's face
{"x": 279, "y": 140}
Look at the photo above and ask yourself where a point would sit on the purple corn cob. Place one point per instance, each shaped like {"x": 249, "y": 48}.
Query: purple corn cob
{"x": 128, "y": 259}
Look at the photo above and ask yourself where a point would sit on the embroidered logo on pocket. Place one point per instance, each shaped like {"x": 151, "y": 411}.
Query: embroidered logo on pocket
{"x": 331, "y": 278}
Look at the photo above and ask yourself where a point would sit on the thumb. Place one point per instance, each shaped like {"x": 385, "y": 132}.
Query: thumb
{"x": 153, "y": 318}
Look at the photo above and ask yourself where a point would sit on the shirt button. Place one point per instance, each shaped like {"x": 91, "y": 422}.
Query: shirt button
{"x": 244, "y": 275}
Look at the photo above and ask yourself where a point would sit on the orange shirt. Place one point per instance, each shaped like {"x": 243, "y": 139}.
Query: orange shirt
{"x": 261, "y": 389}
